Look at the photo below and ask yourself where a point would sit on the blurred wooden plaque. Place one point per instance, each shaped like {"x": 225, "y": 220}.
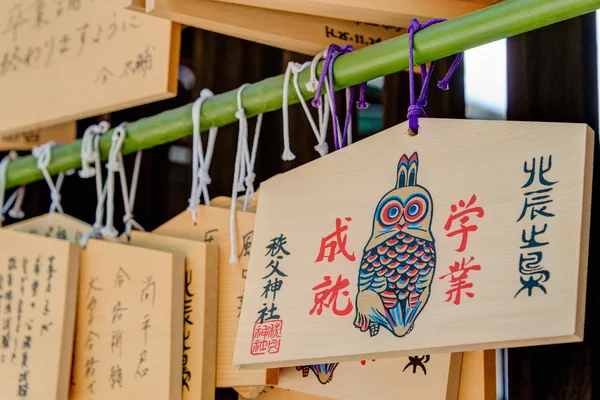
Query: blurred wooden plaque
{"x": 27, "y": 140}
{"x": 88, "y": 57}
{"x": 200, "y": 310}
{"x": 213, "y": 228}
{"x": 276, "y": 393}
{"x": 38, "y": 295}
{"x": 426, "y": 376}
{"x": 470, "y": 235}
{"x": 374, "y": 11}
{"x": 129, "y": 337}
{"x": 307, "y": 34}
{"x": 64, "y": 227}
{"x": 478, "y": 375}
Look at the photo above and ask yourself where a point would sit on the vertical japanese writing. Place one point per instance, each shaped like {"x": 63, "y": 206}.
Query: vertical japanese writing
{"x": 326, "y": 293}
{"x": 19, "y": 288}
{"x": 121, "y": 283}
{"x": 147, "y": 298}
{"x": 458, "y": 224}
{"x": 93, "y": 289}
{"x": 187, "y": 326}
{"x": 266, "y": 335}
{"x": 536, "y": 205}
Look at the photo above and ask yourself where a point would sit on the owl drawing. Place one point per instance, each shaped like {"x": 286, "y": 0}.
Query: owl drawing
{"x": 398, "y": 261}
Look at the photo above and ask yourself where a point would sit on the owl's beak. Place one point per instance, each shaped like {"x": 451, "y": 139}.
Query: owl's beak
{"x": 401, "y": 224}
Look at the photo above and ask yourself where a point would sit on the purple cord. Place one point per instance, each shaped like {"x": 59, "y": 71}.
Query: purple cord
{"x": 333, "y": 52}
{"x": 417, "y": 108}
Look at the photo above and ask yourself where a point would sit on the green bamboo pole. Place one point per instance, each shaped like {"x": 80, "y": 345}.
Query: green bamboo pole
{"x": 503, "y": 20}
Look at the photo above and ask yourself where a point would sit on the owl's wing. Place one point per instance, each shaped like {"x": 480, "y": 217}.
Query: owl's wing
{"x": 368, "y": 279}
{"x": 398, "y": 269}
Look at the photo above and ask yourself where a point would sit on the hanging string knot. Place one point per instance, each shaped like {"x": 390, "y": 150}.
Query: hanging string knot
{"x": 243, "y": 171}
{"x": 249, "y": 179}
{"x": 89, "y": 148}
{"x": 55, "y": 197}
{"x": 312, "y": 85}
{"x": 204, "y": 176}
{"x": 322, "y": 149}
{"x": 113, "y": 166}
{"x": 16, "y": 212}
{"x": 362, "y": 104}
{"x": 416, "y": 109}
{"x": 340, "y": 138}
{"x": 240, "y": 113}
{"x": 200, "y": 160}
{"x": 43, "y": 154}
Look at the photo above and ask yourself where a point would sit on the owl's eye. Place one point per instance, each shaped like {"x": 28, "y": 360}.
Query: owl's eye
{"x": 416, "y": 209}
{"x": 390, "y": 212}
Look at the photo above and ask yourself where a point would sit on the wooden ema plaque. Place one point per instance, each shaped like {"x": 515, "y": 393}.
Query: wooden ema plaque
{"x": 129, "y": 336}
{"x": 478, "y": 375}
{"x": 64, "y": 227}
{"x": 375, "y": 11}
{"x": 470, "y": 235}
{"x": 200, "y": 310}
{"x": 426, "y": 376}
{"x": 276, "y": 393}
{"x": 477, "y": 381}
{"x": 213, "y": 228}
{"x": 90, "y": 57}
{"x": 62, "y": 133}
{"x": 38, "y": 294}
{"x": 307, "y": 34}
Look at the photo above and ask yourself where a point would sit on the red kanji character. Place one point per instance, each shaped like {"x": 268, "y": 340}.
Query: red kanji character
{"x": 328, "y": 296}
{"x": 335, "y": 243}
{"x": 459, "y": 272}
{"x": 463, "y": 218}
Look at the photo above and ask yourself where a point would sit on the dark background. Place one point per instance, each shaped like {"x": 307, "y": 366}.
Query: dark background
{"x": 552, "y": 76}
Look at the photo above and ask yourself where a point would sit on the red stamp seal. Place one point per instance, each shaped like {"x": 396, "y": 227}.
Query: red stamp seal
{"x": 266, "y": 337}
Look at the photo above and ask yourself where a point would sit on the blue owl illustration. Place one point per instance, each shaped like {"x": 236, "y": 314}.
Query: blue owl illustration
{"x": 323, "y": 372}
{"x": 398, "y": 263}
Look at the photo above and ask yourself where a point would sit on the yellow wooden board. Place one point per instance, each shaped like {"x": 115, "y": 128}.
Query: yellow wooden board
{"x": 88, "y": 57}
{"x": 200, "y": 310}
{"x": 135, "y": 5}
{"x": 64, "y": 227}
{"x": 471, "y": 235}
{"x": 275, "y": 393}
{"x": 129, "y": 335}
{"x": 374, "y": 11}
{"x": 38, "y": 293}
{"x": 249, "y": 392}
{"x": 61, "y": 133}
{"x": 213, "y": 228}
{"x": 434, "y": 376}
{"x": 478, "y": 375}
{"x": 477, "y": 381}
{"x": 305, "y": 34}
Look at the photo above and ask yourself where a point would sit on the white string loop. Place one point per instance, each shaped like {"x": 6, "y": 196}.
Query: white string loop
{"x": 115, "y": 165}
{"x": 90, "y": 152}
{"x": 43, "y": 154}
{"x": 129, "y": 197}
{"x": 287, "y": 154}
{"x": 201, "y": 161}
{"x": 12, "y": 155}
{"x": 16, "y": 212}
{"x": 323, "y": 110}
{"x": 243, "y": 172}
